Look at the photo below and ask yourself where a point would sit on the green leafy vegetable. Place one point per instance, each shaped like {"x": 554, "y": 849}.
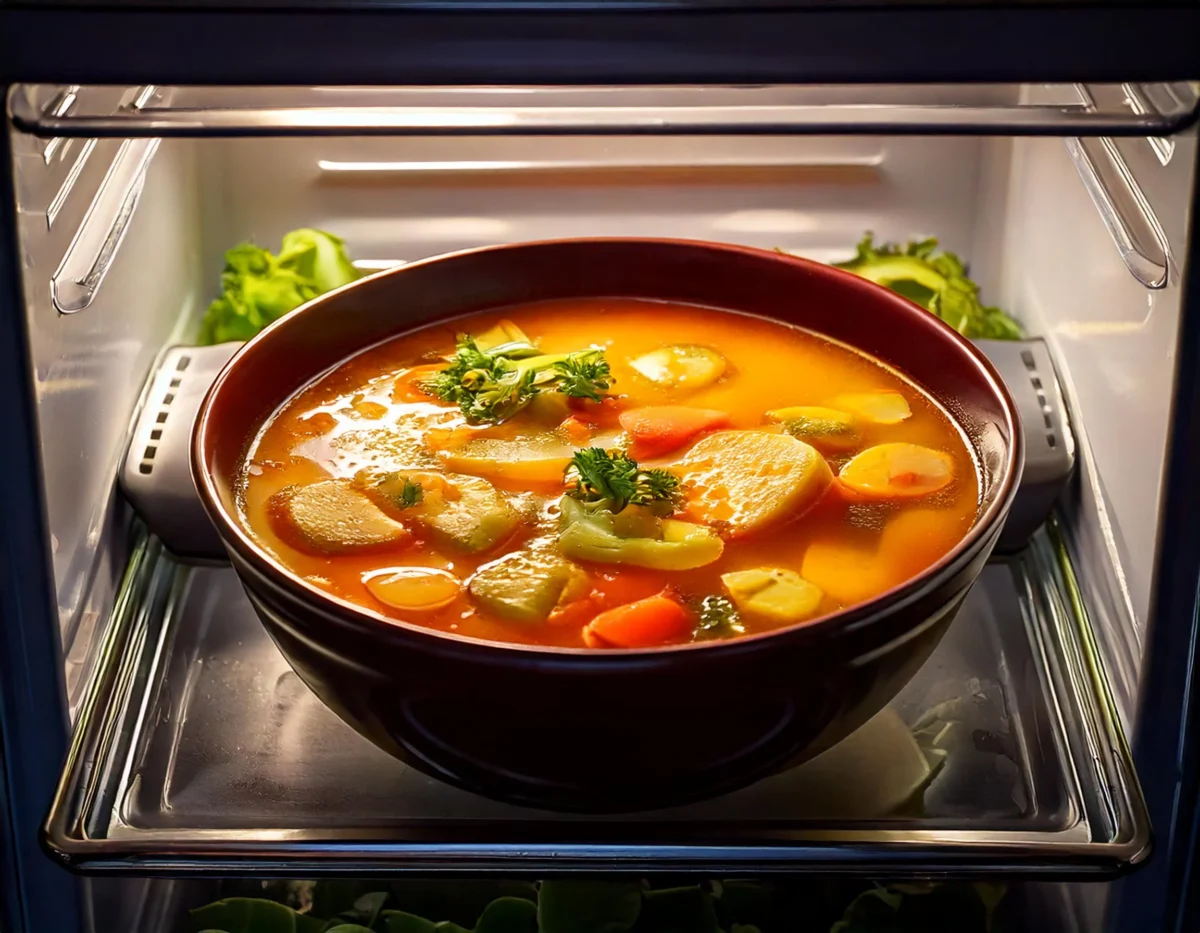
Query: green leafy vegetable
{"x": 364, "y": 912}
{"x": 492, "y": 384}
{"x": 508, "y": 915}
{"x": 319, "y": 257}
{"x": 398, "y": 921}
{"x": 873, "y": 911}
{"x": 633, "y": 536}
{"x": 258, "y": 287}
{"x": 929, "y": 908}
{"x": 588, "y": 906}
{"x": 938, "y": 281}
{"x": 585, "y": 906}
{"x": 744, "y": 903}
{"x": 454, "y": 899}
{"x": 717, "y": 617}
{"x": 335, "y": 895}
{"x": 245, "y": 915}
{"x": 583, "y": 375}
{"x": 677, "y": 910}
{"x": 613, "y": 481}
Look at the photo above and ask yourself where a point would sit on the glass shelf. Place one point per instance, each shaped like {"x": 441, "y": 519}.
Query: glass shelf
{"x": 1058, "y": 110}
{"x": 198, "y": 750}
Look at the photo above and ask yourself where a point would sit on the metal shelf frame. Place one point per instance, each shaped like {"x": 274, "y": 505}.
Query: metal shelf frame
{"x": 141, "y": 794}
{"x": 1072, "y": 110}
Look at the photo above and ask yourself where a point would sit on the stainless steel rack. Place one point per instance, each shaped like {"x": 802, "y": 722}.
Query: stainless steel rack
{"x": 198, "y": 750}
{"x": 1128, "y": 109}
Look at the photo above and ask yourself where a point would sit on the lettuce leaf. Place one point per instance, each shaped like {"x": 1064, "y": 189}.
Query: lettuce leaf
{"x": 258, "y": 287}
{"x": 937, "y": 281}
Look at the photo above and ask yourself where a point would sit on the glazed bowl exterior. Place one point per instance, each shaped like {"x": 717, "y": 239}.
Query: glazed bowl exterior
{"x": 575, "y": 729}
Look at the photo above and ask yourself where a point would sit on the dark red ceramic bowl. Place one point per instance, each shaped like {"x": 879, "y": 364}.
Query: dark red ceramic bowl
{"x": 605, "y": 730}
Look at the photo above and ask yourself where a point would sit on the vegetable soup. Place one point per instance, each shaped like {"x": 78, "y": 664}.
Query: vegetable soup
{"x": 609, "y": 473}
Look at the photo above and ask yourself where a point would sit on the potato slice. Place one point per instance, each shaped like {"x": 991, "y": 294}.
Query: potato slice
{"x": 331, "y": 517}
{"x": 772, "y": 594}
{"x": 503, "y": 331}
{"x": 464, "y": 512}
{"x": 681, "y": 366}
{"x": 413, "y": 589}
{"x": 384, "y": 447}
{"x": 525, "y": 460}
{"x": 747, "y": 480}
{"x": 876, "y": 407}
{"x": 847, "y": 572}
{"x": 897, "y": 471}
{"x": 917, "y": 537}
{"x": 477, "y": 520}
{"x": 527, "y": 586}
{"x": 827, "y": 429}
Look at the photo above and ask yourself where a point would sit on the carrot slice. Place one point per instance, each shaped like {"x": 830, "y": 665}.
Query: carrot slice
{"x": 603, "y": 413}
{"x": 409, "y": 385}
{"x": 575, "y": 430}
{"x": 897, "y": 471}
{"x": 642, "y": 624}
{"x": 659, "y": 430}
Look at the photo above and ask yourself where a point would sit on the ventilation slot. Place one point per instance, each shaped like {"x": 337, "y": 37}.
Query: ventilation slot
{"x": 156, "y": 476}
{"x": 150, "y": 451}
{"x": 1035, "y": 380}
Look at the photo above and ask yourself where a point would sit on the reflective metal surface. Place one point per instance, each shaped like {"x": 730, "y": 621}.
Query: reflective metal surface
{"x": 34, "y": 893}
{"x": 603, "y": 111}
{"x": 1123, "y": 207}
{"x": 200, "y": 750}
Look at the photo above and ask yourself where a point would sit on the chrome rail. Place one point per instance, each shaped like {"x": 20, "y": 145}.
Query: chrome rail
{"x": 718, "y": 110}
{"x": 74, "y": 285}
{"x": 1126, "y": 213}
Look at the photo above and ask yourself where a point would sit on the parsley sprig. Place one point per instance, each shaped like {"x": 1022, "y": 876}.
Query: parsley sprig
{"x": 717, "y": 617}
{"x": 492, "y": 384}
{"x": 613, "y": 481}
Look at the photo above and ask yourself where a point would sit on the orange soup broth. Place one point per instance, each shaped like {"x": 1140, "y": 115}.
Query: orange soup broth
{"x": 852, "y": 551}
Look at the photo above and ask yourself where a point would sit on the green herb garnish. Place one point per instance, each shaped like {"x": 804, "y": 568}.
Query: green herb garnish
{"x": 410, "y": 494}
{"x": 493, "y": 384}
{"x": 398, "y": 490}
{"x": 717, "y": 617}
{"x": 937, "y": 281}
{"x": 613, "y": 481}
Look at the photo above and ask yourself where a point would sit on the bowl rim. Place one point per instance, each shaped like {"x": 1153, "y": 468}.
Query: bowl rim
{"x": 238, "y": 539}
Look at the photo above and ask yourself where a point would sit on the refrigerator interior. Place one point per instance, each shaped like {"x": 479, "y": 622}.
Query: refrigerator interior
{"x": 121, "y": 243}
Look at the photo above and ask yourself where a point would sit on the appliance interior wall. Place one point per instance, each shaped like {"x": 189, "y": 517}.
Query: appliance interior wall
{"x": 1015, "y": 207}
